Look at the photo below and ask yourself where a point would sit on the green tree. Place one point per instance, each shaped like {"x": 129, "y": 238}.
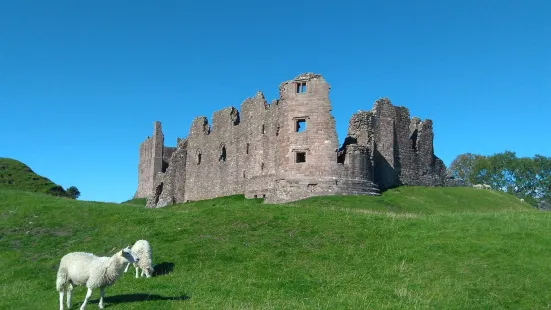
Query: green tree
{"x": 501, "y": 170}
{"x": 543, "y": 176}
{"x": 73, "y": 192}
{"x": 462, "y": 167}
{"x": 525, "y": 177}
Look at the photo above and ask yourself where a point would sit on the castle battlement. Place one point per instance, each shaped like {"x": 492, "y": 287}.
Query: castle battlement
{"x": 288, "y": 150}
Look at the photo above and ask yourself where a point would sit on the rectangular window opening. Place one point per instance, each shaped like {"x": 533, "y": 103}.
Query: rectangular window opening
{"x": 301, "y": 87}
{"x": 223, "y": 155}
{"x": 301, "y": 157}
{"x": 300, "y": 125}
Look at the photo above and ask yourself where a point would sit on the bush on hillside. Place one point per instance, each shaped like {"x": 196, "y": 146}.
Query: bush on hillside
{"x": 73, "y": 192}
{"x": 57, "y": 190}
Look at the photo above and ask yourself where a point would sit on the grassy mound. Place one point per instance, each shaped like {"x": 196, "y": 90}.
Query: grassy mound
{"x": 136, "y": 201}
{"x": 444, "y": 248}
{"x": 16, "y": 175}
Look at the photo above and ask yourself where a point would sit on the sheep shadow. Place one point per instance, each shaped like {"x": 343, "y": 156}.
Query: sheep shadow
{"x": 127, "y": 298}
{"x": 162, "y": 269}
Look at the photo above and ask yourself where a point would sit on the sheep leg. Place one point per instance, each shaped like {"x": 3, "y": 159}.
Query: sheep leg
{"x": 88, "y": 294}
{"x": 101, "y": 294}
{"x": 61, "y": 299}
{"x": 137, "y": 268}
{"x": 141, "y": 275}
{"x": 69, "y": 293}
{"x": 127, "y": 265}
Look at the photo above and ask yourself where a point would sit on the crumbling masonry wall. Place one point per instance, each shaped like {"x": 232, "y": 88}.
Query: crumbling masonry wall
{"x": 288, "y": 150}
{"x": 404, "y": 153}
{"x": 151, "y": 161}
{"x": 233, "y": 155}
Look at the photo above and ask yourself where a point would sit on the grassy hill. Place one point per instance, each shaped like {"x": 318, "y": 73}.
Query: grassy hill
{"x": 413, "y": 247}
{"x": 136, "y": 201}
{"x": 16, "y": 175}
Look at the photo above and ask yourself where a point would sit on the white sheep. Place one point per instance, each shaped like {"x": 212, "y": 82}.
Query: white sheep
{"x": 142, "y": 248}
{"x": 86, "y": 269}
{"x": 521, "y": 199}
{"x": 479, "y": 186}
{"x": 486, "y": 186}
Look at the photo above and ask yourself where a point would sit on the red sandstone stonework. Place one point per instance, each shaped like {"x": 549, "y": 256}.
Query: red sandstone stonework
{"x": 261, "y": 152}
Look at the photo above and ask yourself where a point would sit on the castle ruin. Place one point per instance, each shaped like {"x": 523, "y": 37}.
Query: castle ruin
{"x": 288, "y": 150}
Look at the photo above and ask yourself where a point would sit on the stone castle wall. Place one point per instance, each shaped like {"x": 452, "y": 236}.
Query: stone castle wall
{"x": 151, "y": 161}
{"x": 288, "y": 150}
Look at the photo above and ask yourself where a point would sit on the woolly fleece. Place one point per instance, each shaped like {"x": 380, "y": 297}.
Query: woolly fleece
{"x": 86, "y": 269}
{"x": 142, "y": 249}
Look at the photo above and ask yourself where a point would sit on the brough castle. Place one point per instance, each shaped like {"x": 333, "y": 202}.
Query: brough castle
{"x": 288, "y": 150}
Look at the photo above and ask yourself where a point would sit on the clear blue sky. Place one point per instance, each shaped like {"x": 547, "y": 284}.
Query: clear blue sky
{"x": 82, "y": 82}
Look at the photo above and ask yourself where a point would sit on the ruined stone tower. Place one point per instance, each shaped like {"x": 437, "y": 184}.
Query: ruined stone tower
{"x": 151, "y": 157}
{"x": 308, "y": 138}
{"x": 307, "y": 149}
{"x": 288, "y": 150}
{"x": 154, "y": 158}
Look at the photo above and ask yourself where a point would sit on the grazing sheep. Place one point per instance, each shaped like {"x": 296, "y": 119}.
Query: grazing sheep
{"x": 486, "y": 186}
{"x": 479, "y": 186}
{"x": 86, "y": 269}
{"x": 521, "y": 199}
{"x": 142, "y": 248}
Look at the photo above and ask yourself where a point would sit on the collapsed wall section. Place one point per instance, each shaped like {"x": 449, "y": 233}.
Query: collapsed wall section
{"x": 169, "y": 186}
{"x": 356, "y": 153}
{"x": 432, "y": 170}
{"x": 385, "y": 154}
{"x": 150, "y": 162}
{"x": 404, "y": 153}
{"x": 167, "y": 153}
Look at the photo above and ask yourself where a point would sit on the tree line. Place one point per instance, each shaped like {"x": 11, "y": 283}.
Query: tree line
{"x": 527, "y": 178}
{"x": 71, "y": 192}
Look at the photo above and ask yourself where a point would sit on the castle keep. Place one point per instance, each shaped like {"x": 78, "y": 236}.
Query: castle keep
{"x": 288, "y": 150}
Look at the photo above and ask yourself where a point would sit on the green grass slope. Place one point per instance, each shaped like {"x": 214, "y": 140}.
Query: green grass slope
{"x": 16, "y": 175}
{"x": 443, "y": 248}
{"x": 136, "y": 201}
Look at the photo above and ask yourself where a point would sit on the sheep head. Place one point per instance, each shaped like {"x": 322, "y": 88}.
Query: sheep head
{"x": 128, "y": 255}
